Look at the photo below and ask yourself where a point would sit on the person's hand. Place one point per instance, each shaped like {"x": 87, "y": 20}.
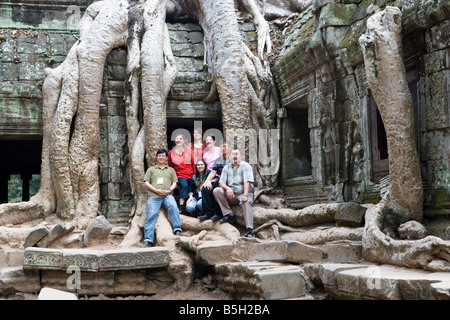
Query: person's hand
{"x": 208, "y": 185}
{"x": 190, "y": 199}
{"x": 244, "y": 199}
{"x": 230, "y": 193}
{"x": 161, "y": 192}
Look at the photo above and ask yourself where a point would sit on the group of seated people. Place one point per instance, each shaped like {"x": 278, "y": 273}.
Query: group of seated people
{"x": 210, "y": 179}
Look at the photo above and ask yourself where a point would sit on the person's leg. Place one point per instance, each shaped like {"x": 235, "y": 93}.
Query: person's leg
{"x": 171, "y": 204}
{"x": 216, "y": 208}
{"x": 184, "y": 186}
{"x": 199, "y": 205}
{"x": 190, "y": 206}
{"x": 247, "y": 210}
{"x": 224, "y": 203}
{"x": 153, "y": 207}
{"x": 208, "y": 202}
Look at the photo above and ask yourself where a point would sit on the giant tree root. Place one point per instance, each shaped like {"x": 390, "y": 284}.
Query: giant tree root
{"x": 313, "y": 236}
{"x": 311, "y": 215}
{"x": 430, "y": 253}
{"x": 181, "y": 265}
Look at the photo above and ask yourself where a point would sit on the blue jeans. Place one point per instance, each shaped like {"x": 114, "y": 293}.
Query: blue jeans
{"x": 153, "y": 207}
{"x": 184, "y": 186}
{"x": 192, "y": 205}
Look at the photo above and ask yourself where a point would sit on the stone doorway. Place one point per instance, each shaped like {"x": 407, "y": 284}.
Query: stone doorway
{"x": 296, "y": 146}
{"x": 380, "y": 156}
{"x": 21, "y": 162}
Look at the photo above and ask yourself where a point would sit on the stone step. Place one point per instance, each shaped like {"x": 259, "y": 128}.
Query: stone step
{"x": 95, "y": 260}
{"x": 218, "y": 252}
{"x": 380, "y": 282}
{"x": 261, "y": 280}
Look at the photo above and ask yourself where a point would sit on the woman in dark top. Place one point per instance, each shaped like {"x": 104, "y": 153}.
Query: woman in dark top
{"x": 194, "y": 202}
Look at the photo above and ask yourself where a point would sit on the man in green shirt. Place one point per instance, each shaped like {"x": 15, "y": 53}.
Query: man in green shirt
{"x": 160, "y": 181}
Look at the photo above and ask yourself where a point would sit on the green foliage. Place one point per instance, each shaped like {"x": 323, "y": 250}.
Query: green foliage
{"x": 15, "y": 187}
{"x": 47, "y": 57}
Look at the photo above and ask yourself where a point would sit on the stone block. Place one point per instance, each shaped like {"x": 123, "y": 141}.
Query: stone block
{"x": 268, "y": 251}
{"x": 328, "y": 273}
{"x": 42, "y": 259}
{"x": 441, "y": 290}
{"x": 438, "y": 37}
{"x": 266, "y": 280}
{"x": 35, "y": 236}
{"x": 343, "y": 252}
{"x": 123, "y": 259}
{"x": 437, "y": 111}
{"x": 54, "y": 294}
{"x": 3, "y": 259}
{"x": 337, "y": 14}
{"x": 350, "y": 214}
{"x": 195, "y": 37}
{"x": 156, "y": 280}
{"x": 93, "y": 283}
{"x": 282, "y": 283}
{"x": 85, "y": 259}
{"x": 303, "y": 253}
{"x": 14, "y": 257}
{"x": 129, "y": 282}
{"x": 16, "y": 279}
{"x": 98, "y": 230}
{"x": 215, "y": 252}
{"x": 57, "y": 279}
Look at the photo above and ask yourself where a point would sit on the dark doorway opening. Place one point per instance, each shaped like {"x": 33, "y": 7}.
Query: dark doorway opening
{"x": 380, "y": 156}
{"x": 21, "y": 159}
{"x": 296, "y": 145}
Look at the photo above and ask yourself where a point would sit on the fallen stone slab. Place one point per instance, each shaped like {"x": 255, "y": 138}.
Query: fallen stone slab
{"x": 95, "y": 260}
{"x": 384, "y": 282}
{"x": 35, "y": 236}
{"x": 97, "y": 231}
{"x": 54, "y": 294}
{"x": 261, "y": 280}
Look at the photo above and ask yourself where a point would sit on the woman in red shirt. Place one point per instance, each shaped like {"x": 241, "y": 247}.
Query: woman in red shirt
{"x": 182, "y": 160}
{"x": 197, "y": 146}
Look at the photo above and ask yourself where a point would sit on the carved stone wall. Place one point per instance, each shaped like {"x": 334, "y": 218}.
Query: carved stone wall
{"x": 321, "y": 69}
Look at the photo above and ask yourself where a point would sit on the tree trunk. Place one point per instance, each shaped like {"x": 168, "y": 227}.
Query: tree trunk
{"x": 386, "y": 75}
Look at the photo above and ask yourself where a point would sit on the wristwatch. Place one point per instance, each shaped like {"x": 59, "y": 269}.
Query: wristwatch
{"x": 170, "y": 190}
{"x": 246, "y": 195}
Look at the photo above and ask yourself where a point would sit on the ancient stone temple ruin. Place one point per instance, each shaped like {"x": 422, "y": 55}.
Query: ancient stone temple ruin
{"x": 343, "y": 108}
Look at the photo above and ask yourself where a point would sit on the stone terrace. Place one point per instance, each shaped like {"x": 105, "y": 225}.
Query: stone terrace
{"x": 269, "y": 270}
